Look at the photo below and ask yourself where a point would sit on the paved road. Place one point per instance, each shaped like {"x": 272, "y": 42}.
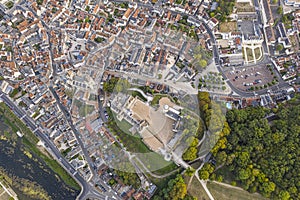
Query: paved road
{"x": 49, "y": 145}
{"x": 86, "y": 192}
{"x": 86, "y": 188}
{"x": 216, "y": 55}
{"x": 84, "y": 150}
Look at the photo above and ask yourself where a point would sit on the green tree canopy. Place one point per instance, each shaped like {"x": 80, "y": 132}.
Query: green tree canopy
{"x": 262, "y": 156}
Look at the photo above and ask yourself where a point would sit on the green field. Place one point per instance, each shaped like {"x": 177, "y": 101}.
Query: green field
{"x": 195, "y": 189}
{"x": 250, "y": 55}
{"x": 157, "y": 164}
{"x": 257, "y": 52}
{"x": 226, "y": 27}
{"x": 85, "y": 110}
{"x": 132, "y": 143}
{"x": 221, "y": 192}
{"x": 124, "y": 125}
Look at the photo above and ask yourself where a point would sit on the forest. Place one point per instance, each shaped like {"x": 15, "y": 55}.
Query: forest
{"x": 176, "y": 189}
{"x": 261, "y": 152}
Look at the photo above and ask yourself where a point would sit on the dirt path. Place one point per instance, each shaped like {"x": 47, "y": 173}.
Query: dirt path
{"x": 189, "y": 183}
{"x": 203, "y": 183}
{"x": 228, "y": 185}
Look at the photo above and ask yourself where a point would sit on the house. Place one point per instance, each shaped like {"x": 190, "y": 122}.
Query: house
{"x": 295, "y": 3}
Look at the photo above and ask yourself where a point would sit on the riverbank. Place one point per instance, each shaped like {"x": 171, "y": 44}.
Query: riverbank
{"x": 29, "y": 142}
{"x": 24, "y": 186}
{"x": 6, "y": 192}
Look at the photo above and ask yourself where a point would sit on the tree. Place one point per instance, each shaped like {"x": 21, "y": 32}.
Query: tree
{"x": 244, "y": 174}
{"x": 179, "y": 190}
{"x": 268, "y": 187}
{"x": 221, "y": 157}
{"x": 87, "y": 20}
{"x": 284, "y": 195}
{"x": 175, "y": 189}
{"x": 280, "y": 10}
{"x": 202, "y": 63}
{"x": 188, "y": 197}
{"x": 127, "y": 177}
{"x": 98, "y": 39}
{"x": 8, "y": 48}
{"x": 243, "y": 159}
{"x": 9, "y": 4}
{"x": 219, "y": 178}
{"x": 109, "y": 85}
{"x": 190, "y": 171}
{"x": 203, "y": 174}
{"x": 191, "y": 152}
{"x": 262, "y": 155}
{"x": 279, "y": 47}
{"x": 205, "y": 171}
{"x": 39, "y": 2}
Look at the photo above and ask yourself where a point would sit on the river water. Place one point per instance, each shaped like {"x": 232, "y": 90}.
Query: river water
{"x": 16, "y": 163}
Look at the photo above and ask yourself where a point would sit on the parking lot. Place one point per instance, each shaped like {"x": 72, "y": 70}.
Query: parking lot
{"x": 250, "y": 78}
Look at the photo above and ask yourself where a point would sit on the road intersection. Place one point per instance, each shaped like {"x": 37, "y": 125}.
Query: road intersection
{"x": 88, "y": 189}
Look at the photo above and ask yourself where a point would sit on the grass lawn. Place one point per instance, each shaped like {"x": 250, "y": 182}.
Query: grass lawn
{"x": 244, "y": 7}
{"x": 132, "y": 143}
{"x": 196, "y": 164}
{"x": 53, "y": 164}
{"x": 157, "y": 164}
{"x": 294, "y": 41}
{"x": 161, "y": 183}
{"x": 85, "y": 110}
{"x": 124, "y": 125}
{"x": 249, "y": 54}
{"x": 228, "y": 27}
{"x": 5, "y": 196}
{"x": 195, "y": 189}
{"x": 69, "y": 93}
{"x": 221, "y": 192}
{"x": 92, "y": 97}
{"x": 14, "y": 92}
{"x": 257, "y": 53}
{"x": 9, "y": 4}
{"x": 78, "y": 103}
{"x": 135, "y": 93}
{"x": 227, "y": 175}
{"x": 156, "y": 99}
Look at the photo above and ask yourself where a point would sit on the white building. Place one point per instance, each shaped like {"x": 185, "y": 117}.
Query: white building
{"x": 295, "y": 3}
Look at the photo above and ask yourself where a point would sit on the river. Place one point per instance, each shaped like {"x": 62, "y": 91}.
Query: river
{"x": 26, "y": 167}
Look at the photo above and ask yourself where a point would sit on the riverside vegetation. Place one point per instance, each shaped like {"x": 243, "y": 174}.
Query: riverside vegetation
{"x": 26, "y": 168}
